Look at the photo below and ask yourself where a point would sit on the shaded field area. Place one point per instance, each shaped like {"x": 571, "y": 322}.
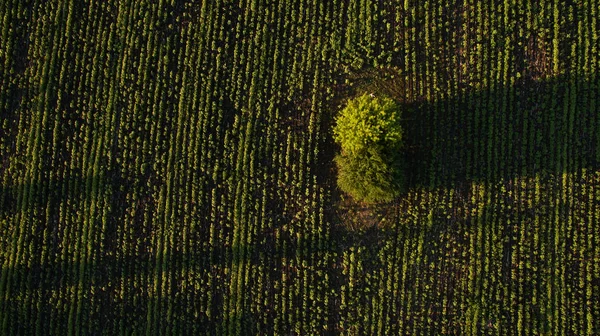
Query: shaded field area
{"x": 167, "y": 168}
{"x": 505, "y": 132}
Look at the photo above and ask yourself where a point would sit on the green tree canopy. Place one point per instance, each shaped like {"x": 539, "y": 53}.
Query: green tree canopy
{"x": 367, "y": 122}
{"x": 370, "y": 135}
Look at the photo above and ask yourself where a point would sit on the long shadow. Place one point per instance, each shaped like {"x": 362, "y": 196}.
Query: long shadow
{"x": 503, "y": 132}
{"x": 110, "y": 271}
{"x": 73, "y": 186}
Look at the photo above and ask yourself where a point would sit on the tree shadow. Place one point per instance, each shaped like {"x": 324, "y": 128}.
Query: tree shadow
{"x": 114, "y": 281}
{"x": 503, "y": 132}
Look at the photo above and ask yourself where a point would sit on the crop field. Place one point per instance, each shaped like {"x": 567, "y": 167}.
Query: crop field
{"x": 166, "y": 167}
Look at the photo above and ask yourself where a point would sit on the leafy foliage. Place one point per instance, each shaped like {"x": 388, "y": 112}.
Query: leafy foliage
{"x": 370, "y": 134}
{"x": 367, "y": 122}
{"x": 368, "y": 176}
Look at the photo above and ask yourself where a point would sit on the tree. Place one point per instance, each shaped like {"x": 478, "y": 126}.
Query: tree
{"x": 370, "y": 135}
{"x": 368, "y": 121}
